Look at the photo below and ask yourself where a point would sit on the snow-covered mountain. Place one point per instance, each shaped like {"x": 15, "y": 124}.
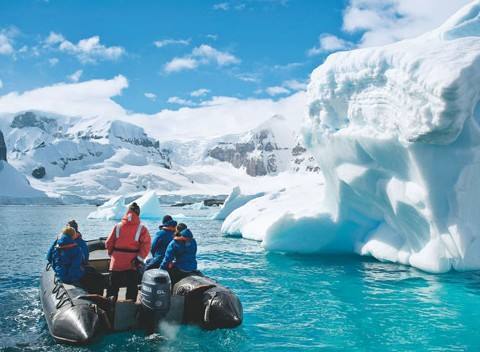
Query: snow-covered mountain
{"x": 269, "y": 149}
{"x": 96, "y": 158}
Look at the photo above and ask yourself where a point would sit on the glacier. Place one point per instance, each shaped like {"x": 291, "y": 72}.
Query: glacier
{"x": 396, "y": 133}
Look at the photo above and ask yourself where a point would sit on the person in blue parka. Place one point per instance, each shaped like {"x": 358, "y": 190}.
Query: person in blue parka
{"x": 67, "y": 260}
{"x": 181, "y": 255}
{"x": 80, "y": 241}
{"x": 160, "y": 242}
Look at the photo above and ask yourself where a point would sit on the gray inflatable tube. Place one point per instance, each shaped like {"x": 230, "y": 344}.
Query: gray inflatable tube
{"x": 70, "y": 318}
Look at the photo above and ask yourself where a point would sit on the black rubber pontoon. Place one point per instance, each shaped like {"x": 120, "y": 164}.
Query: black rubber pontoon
{"x": 70, "y": 317}
{"x": 208, "y": 304}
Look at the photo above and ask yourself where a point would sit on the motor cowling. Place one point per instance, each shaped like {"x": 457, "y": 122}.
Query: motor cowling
{"x": 155, "y": 297}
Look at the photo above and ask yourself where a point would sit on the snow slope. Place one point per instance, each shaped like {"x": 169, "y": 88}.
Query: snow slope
{"x": 396, "y": 132}
{"x": 15, "y": 188}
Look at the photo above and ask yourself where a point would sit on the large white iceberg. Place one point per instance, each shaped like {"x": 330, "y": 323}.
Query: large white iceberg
{"x": 396, "y": 132}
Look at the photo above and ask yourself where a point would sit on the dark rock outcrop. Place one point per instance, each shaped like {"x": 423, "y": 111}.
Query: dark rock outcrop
{"x": 303, "y": 160}
{"x": 39, "y": 172}
{"x": 30, "y": 119}
{"x": 3, "y": 148}
{"x": 258, "y": 155}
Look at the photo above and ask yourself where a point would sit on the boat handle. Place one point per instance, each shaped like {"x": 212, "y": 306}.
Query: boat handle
{"x": 56, "y": 288}
{"x": 62, "y": 303}
{"x": 60, "y": 296}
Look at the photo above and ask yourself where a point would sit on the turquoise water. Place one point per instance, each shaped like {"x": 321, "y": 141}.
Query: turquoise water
{"x": 290, "y": 302}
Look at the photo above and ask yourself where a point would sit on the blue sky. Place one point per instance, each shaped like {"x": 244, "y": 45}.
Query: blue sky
{"x": 265, "y": 43}
{"x": 179, "y": 53}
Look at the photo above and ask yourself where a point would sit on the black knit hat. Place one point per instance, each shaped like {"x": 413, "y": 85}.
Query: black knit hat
{"x": 166, "y": 219}
{"x": 73, "y": 223}
{"x": 135, "y": 208}
{"x": 180, "y": 227}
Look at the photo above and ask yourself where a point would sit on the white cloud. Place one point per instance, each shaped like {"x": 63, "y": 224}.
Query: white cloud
{"x": 328, "y": 43}
{"x": 217, "y": 116}
{"x": 294, "y": 85}
{"x": 224, "y": 6}
{"x": 286, "y": 87}
{"x": 75, "y": 77}
{"x": 180, "y": 101}
{"x": 289, "y": 66}
{"x": 6, "y": 41}
{"x": 53, "y": 61}
{"x": 180, "y": 64}
{"x": 212, "y": 36}
{"x": 277, "y": 90}
{"x": 208, "y": 54}
{"x": 387, "y": 21}
{"x": 247, "y": 77}
{"x": 201, "y": 55}
{"x": 87, "y": 99}
{"x": 200, "y": 92}
{"x": 151, "y": 96}
{"x": 54, "y": 38}
{"x": 1, "y": 84}
{"x": 165, "y": 42}
{"x": 88, "y": 50}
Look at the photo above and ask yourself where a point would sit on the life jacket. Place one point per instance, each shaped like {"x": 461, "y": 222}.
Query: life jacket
{"x": 67, "y": 260}
{"x": 129, "y": 240}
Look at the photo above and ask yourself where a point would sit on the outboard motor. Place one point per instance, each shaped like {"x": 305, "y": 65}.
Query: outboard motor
{"x": 209, "y": 304}
{"x": 155, "y": 298}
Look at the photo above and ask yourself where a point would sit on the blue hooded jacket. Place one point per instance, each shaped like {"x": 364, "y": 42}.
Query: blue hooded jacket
{"x": 83, "y": 247}
{"x": 66, "y": 258}
{"x": 182, "y": 252}
{"x": 159, "y": 245}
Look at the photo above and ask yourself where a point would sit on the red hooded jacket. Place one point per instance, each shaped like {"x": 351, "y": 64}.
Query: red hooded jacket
{"x": 129, "y": 239}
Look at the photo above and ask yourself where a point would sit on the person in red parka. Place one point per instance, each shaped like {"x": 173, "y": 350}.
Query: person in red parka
{"x": 128, "y": 246}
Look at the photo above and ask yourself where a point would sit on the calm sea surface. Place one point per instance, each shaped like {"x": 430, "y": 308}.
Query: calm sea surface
{"x": 290, "y": 302}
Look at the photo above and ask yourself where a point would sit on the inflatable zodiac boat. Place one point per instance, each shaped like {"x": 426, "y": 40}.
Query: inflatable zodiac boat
{"x": 77, "y": 317}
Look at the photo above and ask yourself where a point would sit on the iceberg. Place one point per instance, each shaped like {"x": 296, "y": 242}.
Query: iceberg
{"x": 235, "y": 200}
{"x": 150, "y": 206}
{"x": 396, "y": 133}
{"x": 196, "y": 206}
{"x": 113, "y": 209}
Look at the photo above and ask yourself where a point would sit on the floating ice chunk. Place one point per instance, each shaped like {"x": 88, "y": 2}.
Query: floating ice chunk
{"x": 150, "y": 206}
{"x": 235, "y": 200}
{"x": 284, "y": 219}
{"x": 196, "y": 206}
{"x": 113, "y": 209}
